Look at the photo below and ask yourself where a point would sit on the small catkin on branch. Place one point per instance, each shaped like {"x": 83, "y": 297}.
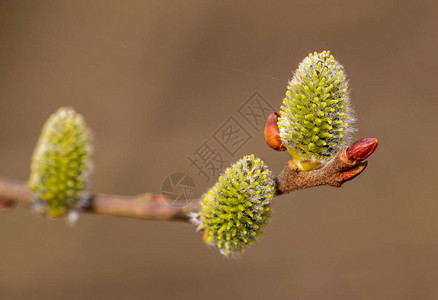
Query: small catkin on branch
{"x": 345, "y": 166}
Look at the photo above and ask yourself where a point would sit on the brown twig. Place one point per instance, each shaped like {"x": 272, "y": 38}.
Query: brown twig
{"x": 143, "y": 206}
{"x": 345, "y": 166}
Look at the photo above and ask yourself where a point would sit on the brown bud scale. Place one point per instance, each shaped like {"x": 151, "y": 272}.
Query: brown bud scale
{"x": 272, "y": 133}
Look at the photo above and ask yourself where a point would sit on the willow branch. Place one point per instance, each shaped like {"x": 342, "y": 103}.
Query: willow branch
{"x": 144, "y": 206}
{"x": 348, "y": 164}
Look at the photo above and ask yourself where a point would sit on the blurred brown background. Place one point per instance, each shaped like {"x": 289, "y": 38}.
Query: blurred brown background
{"x": 155, "y": 79}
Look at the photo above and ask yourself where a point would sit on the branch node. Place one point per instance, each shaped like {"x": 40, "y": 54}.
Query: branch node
{"x": 346, "y": 165}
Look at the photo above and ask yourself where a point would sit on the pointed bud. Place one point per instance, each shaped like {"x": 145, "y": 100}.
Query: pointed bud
{"x": 272, "y": 133}
{"x": 353, "y": 172}
{"x": 362, "y": 149}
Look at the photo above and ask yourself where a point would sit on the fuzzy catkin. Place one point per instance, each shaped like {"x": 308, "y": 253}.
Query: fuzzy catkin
{"x": 61, "y": 163}
{"x": 238, "y": 206}
{"x": 316, "y": 115}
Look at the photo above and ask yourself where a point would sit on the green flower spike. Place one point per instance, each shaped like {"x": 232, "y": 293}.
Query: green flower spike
{"x": 61, "y": 163}
{"x": 238, "y": 206}
{"x": 316, "y": 113}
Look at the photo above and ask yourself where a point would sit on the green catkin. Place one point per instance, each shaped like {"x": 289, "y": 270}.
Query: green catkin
{"x": 61, "y": 163}
{"x": 316, "y": 116}
{"x": 237, "y": 207}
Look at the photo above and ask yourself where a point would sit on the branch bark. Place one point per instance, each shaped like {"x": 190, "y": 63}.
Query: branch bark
{"x": 345, "y": 166}
{"x": 334, "y": 173}
{"x": 144, "y": 206}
